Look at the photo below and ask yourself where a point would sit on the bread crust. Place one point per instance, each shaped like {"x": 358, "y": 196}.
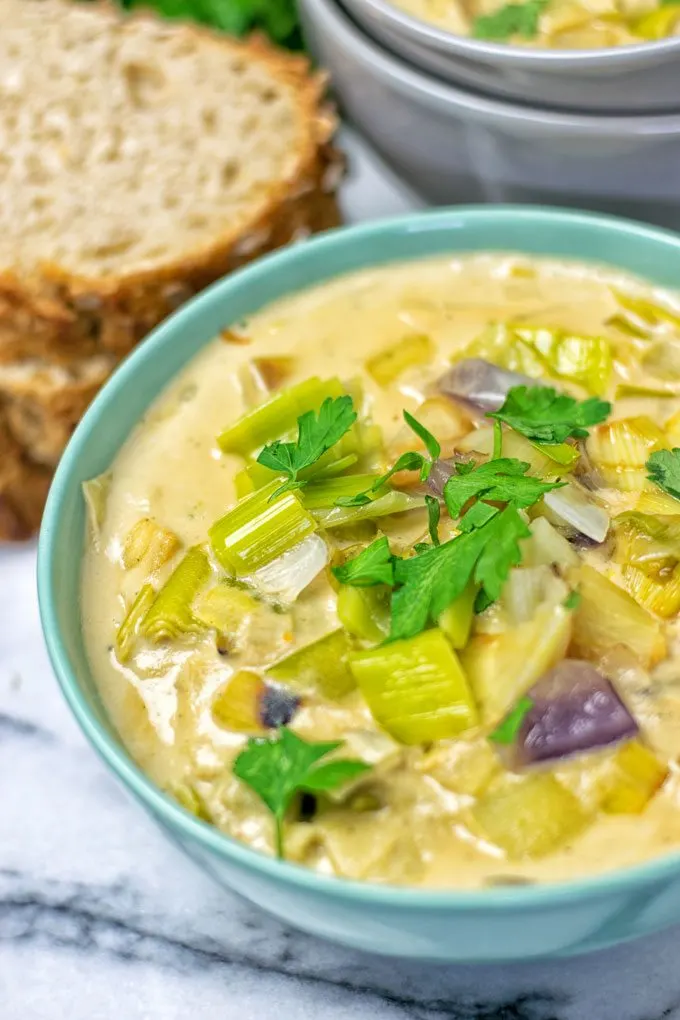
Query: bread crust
{"x": 60, "y": 319}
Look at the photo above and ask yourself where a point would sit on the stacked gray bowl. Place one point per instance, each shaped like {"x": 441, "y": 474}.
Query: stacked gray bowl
{"x": 468, "y": 121}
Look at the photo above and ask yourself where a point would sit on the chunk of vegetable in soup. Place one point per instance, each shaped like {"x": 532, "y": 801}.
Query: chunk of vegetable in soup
{"x": 559, "y": 24}
{"x": 407, "y": 611}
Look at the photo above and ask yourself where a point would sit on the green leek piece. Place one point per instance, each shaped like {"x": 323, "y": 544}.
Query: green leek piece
{"x": 257, "y": 530}
{"x": 564, "y": 454}
{"x": 225, "y": 608}
{"x": 187, "y": 795}
{"x": 539, "y": 351}
{"x": 319, "y": 668}
{"x": 409, "y": 352}
{"x": 620, "y": 450}
{"x": 129, "y": 628}
{"x": 324, "y": 492}
{"x": 170, "y": 614}
{"x": 530, "y": 817}
{"x": 456, "y": 620}
{"x": 365, "y": 612}
{"x": 658, "y": 24}
{"x": 649, "y": 312}
{"x": 651, "y": 543}
{"x": 416, "y": 688}
{"x": 393, "y": 502}
{"x": 655, "y": 392}
{"x": 277, "y": 416}
{"x": 96, "y": 493}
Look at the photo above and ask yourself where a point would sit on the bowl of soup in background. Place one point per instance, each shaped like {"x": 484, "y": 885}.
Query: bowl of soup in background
{"x": 457, "y": 146}
{"x": 490, "y": 924}
{"x": 632, "y": 79}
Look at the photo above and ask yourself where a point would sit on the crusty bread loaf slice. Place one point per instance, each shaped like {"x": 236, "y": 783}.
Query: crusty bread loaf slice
{"x": 140, "y": 161}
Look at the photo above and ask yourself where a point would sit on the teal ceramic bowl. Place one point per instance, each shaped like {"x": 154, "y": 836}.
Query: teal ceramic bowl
{"x": 488, "y": 925}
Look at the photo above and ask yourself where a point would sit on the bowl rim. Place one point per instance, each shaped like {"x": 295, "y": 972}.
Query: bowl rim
{"x": 507, "y": 55}
{"x": 112, "y": 752}
{"x": 495, "y": 111}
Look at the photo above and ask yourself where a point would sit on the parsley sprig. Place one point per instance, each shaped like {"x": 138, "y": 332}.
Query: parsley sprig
{"x": 545, "y": 416}
{"x": 664, "y": 470}
{"x": 317, "y": 433}
{"x": 508, "y": 729}
{"x": 512, "y": 19}
{"x": 276, "y": 769}
{"x": 373, "y": 565}
{"x": 504, "y": 480}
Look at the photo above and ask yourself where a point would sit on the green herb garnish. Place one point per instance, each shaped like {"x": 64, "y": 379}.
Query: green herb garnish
{"x": 573, "y": 600}
{"x": 545, "y": 416}
{"x": 664, "y": 470}
{"x": 504, "y": 480}
{"x": 509, "y": 20}
{"x": 277, "y": 18}
{"x": 317, "y": 433}
{"x": 374, "y": 565}
{"x": 279, "y": 768}
{"x": 507, "y": 730}
{"x": 433, "y": 515}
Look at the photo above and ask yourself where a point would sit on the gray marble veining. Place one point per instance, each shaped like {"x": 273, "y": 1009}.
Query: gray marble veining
{"x": 101, "y": 919}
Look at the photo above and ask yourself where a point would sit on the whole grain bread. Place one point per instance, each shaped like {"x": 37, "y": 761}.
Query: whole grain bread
{"x": 140, "y": 161}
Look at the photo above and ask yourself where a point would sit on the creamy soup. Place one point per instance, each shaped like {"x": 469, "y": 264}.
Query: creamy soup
{"x": 559, "y": 24}
{"x": 340, "y": 612}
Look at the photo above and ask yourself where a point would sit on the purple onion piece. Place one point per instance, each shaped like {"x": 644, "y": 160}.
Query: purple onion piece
{"x": 480, "y": 383}
{"x": 277, "y": 706}
{"x": 439, "y": 475}
{"x": 575, "y": 709}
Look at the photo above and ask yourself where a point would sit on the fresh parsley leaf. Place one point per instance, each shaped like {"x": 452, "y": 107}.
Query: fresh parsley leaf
{"x": 410, "y": 461}
{"x": 507, "y": 730}
{"x": 316, "y": 434}
{"x": 500, "y": 481}
{"x": 573, "y": 600}
{"x": 433, "y": 515}
{"x": 431, "y": 581}
{"x": 545, "y": 416}
{"x": 511, "y": 19}
{"x": 276, "y": 769}
{"x": 373, "y": 565}
{"x": 278, "y": 18}
{"x": 664, "y": 470}
{"x": 431, "y": 444}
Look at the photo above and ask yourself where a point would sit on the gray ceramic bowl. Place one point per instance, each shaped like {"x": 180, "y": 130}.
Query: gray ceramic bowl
{"x": 455, "y": 146}
{"x": 627, "y": 79}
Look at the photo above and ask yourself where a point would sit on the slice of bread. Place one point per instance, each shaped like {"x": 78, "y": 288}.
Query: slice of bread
{"x": 140, "y": 161}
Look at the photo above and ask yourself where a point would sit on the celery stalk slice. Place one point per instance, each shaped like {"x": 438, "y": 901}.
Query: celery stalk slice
{"x": 170, "y": 614}
{"x": 324, "y": 492}
{"x": 393, "y": 502}
{"x": 258, "y": 530}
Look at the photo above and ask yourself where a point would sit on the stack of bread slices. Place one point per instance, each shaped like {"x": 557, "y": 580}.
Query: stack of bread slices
{"x": 139, "y": 161}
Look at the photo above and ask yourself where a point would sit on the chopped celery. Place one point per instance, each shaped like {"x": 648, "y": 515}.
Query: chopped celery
{"x": 502, "y": 667}
{"x": 320, "y": 668}
{"x": 462, "y": 766}
{"x": 127, "y": 632}
{"x": 236, "y": 706}
{"x": 148, "y": 542}
{"x": 649, "y": 312}
{"x": 391, "y": 503}
{"x": 657, "y": 502}
{"x": 324, "y": 492}
{"x": 537, "y": 351}
{"x": 225, "y": 609}
{"x": 416, "y": 689}
{"x": 170, "y": 614}
{"x": 388, "y": 364}
{"x": 659, "y": 23}
{"x": 258, "y": 530}
{"x": 636, "y": 776}
{"x": 544, "y": 461}
{"x": 456, "y": 620}
{"x": 660, "y": 596}
{"x": 364, "y": 612}
{"x": 620, "y": 449}
{"x": 277, "y": 416}
{"x": 607, "y": 616}
{"x": 529, "y": 817}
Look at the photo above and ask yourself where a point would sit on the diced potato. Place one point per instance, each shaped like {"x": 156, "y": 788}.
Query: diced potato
{"x": 148, "y": 544}
{"x": 620, "y": 450}
{"x": 544, "y": 462}
{"x": 416, "y": 688}
{"x": 529, "y": 817}
{"x": 637, "y": 774}
{"x": 388, "y": 364}
{"x": 445, "y": 420}
{"x": 607, "y": 616}
{"x": 236, "y": 706}
{"x": 462, "y": 766}
{"x": 502, "y": 667}
{"x": 320, "y": 668}
{"x": 547, "y": 547}
{"x": 225, "y": 609}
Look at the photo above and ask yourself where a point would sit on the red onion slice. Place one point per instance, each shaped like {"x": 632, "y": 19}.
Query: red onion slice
{"x": 480, "y": 383}
{"x": 575, "y": 709}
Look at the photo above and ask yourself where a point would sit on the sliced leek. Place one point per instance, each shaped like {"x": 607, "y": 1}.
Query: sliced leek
{"x": 170, "y": 614}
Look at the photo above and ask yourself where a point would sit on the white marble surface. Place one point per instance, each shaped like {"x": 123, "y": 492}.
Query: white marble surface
{"x": 100, "y": 919}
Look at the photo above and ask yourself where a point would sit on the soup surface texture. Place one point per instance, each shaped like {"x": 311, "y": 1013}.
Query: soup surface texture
{"x": 556, "y": 24}
{"x": 465, "y": 673}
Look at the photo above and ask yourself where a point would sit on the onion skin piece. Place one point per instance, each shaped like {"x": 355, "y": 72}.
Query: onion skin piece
{"x": 575, "y": 709}
{"x": 480, "y": 383}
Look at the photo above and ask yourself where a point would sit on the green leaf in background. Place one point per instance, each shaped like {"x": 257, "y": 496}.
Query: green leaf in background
{"x": 509, "y": 20}
{"x": 276, "y": 18}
